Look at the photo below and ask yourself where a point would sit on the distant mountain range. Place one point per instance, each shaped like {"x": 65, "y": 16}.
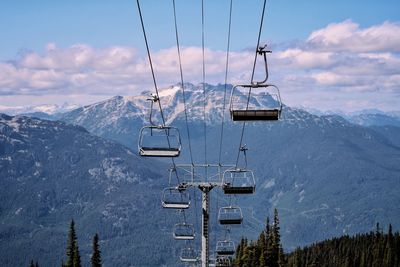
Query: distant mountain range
{"x": 326, "y": 175}
{"x": 173, "y": 95}
{"x": 46, "y": 111}
{"x": 367, "y": 117}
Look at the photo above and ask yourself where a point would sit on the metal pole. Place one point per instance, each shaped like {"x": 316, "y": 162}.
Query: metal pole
{"x": 205, "y": 216}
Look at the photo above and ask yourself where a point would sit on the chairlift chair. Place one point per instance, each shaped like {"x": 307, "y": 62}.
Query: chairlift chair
{"x": 230, "y": 215}
{"x": 255, "y": 102}
{"x": 175, "y": 198}
{"x": 238, "y": 181}
{"x": 188, "y": 255}
{"x": 225, "y": 247}
{"x": 183, "y": 231}
{"x": 159, "y": 141}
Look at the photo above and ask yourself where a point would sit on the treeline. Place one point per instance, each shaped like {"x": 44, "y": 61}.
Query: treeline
{"x": 73, "y": 255}
{"x": 374, "y": 249}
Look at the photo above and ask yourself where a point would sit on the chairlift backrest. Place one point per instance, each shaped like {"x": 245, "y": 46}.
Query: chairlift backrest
{"x": 159, "y": 141}
{"x": 175, "y": 198}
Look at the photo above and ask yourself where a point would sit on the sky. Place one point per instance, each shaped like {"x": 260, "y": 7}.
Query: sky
{"x": 327, "y": 55}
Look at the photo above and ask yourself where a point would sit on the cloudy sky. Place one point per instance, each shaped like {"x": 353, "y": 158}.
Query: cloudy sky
{"x": 326, "y": 54}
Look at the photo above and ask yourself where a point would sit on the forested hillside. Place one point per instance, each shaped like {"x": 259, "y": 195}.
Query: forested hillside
{"x": 373, "y": 249}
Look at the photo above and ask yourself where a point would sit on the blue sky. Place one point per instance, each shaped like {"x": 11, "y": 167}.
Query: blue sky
{"x": 35, "y": 33}
{"x": 100, "y": 23}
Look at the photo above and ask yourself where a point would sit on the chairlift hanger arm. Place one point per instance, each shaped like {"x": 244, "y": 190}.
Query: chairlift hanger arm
{"x": 153, "y": 99}
{"x": 262, "y": 51}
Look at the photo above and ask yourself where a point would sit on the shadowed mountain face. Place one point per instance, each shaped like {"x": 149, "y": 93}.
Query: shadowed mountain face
{"x": 326, "y": 175}
{"x": 51, "y": 172}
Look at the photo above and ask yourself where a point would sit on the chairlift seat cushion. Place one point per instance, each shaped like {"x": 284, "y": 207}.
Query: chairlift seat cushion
{"x": 230, "y": 221}
{"x": 159, "y": 152}
{"x": 255, "y": 115}
{"x": 183, "y": 237}
{"x": 238, "y": 190}
{"x": 175, "y": 205}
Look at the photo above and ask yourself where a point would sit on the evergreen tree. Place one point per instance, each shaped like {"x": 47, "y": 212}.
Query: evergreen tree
{"x": 262, "y": 260}
{"x": 96, "y": 256}
{"x": 275, "y": 241}
{"x": 261, "y": 248}
{"x": 281, "y": 257}
{"x": 32, "y": 265}
{"x": 77, "y": 256}
{"x": 388, "y": 259}
{"x": 268, "y": 243}
{"x": 73, "y": 257}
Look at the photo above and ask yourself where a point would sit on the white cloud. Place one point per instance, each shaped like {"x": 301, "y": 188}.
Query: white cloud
{"x": 114, "y": 70}
{"x": 337, "y": 64}
{"x": 348, "y": 36}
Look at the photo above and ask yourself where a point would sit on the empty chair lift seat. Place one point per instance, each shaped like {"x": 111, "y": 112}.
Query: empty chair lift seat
{"x": 188, "y": 255}
{"x": 255, "y": 102}
{"x": 225, "y": 247}
{"x": 230, "y": 215}
{"x": 174, "y": 198}
{"x": 159, "y": 141}
{"x": 184, "y": 231}
{"x": 238, "y": 181}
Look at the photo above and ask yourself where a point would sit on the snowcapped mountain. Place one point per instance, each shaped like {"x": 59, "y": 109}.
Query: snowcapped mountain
{"x": 137, "y": 108}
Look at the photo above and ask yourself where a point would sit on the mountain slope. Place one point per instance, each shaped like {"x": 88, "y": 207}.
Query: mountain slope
{"x": 51, "y": 172}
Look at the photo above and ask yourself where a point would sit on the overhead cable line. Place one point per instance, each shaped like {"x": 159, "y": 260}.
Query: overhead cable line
{"x": 204, "y": 87}
{"x": 182, "y": 82}
{"x": 184, "y": 102}
{"x": 226, "y": 81}
{"x": 224, "y": 101}
{"x": 252, "y": 80}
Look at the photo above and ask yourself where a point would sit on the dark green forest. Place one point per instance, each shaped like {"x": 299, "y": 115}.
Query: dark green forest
{"x": 373, "y": 249}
